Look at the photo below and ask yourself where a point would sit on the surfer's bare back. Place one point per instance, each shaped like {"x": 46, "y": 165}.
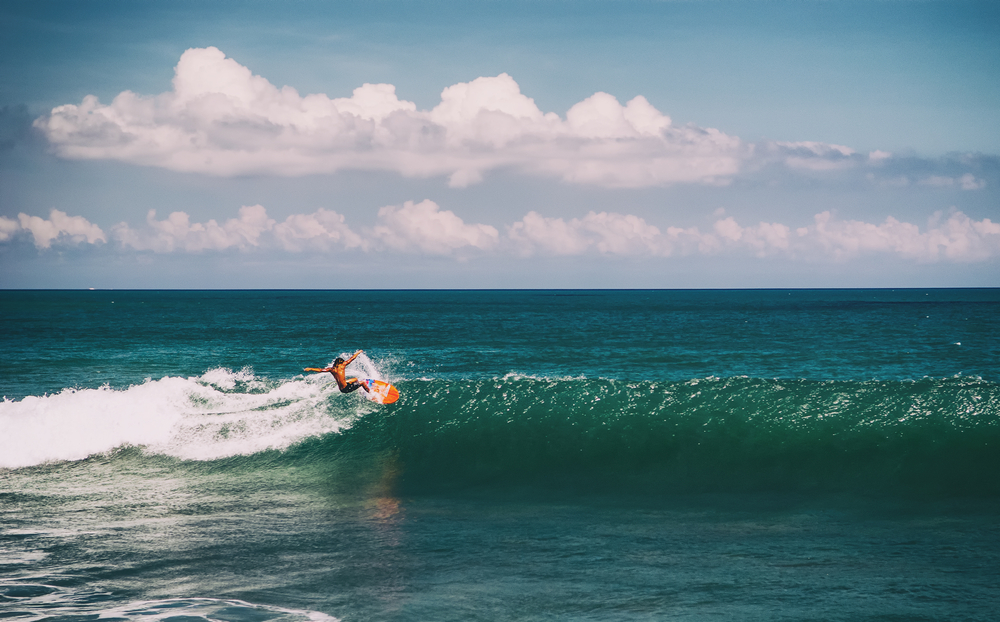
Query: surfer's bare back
{"x": 338, "y": 371}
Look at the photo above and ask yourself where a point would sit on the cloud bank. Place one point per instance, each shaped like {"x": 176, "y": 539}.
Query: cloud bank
{"x": 58, "y": 228}
{"x": 425, "y": 229}
{"x": 221, "y": 119}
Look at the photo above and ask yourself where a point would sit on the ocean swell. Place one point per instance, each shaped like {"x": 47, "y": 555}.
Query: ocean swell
{"x": 932, "y": 436}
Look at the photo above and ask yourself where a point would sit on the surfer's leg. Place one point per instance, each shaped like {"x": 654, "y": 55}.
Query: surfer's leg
{"x": 353, "y": 385}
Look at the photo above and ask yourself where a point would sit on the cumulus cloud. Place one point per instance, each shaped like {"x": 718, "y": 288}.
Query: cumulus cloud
{"x": 607, "y": 233}
{"x": 322, "y": 230}
{"x": 621, "y": 234}
{"x": 422, "y": 228}
{"x": 177, "y": 232}
{"x": 8, "y": 227}
{"x": 878, "y": 156}
{"x": 58, "y": 228}
{"x": 762, "y": 239}
{"x": 221, "y": 119}
{"x": 425, "y": 228}
{"x": 958, "y": 238}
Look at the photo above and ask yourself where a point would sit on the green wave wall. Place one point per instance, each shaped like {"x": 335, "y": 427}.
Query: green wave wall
{"x": 936, "y": 437}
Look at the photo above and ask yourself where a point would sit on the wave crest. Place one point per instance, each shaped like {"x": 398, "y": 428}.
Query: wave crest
{"x": 219, "y": 414}
{"x": 704, "y": 435}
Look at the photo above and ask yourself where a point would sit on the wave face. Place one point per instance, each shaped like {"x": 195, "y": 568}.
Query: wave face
{"x": 936, "y": 437}
{"x": 932, "y": 436}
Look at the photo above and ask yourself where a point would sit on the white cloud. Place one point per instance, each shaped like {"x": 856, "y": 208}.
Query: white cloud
{"x": 178, "y": 233}
{"x": 321, "y": 230}
{"x": 877, "y": 156}
{"x": 537, "y": 234}
{"x": 763, "y": 239}
{"x": 58, "y": 228}
{"x": 8, "y": 227}
{"x": 816, "y": 156}
{"x": 607, "y": 233}
{"x": 965, "y": 182}
{"x": 959, "y": 238}
{"x": 969, "y": 182}
{"x": 620, "y": 234}
{"x": 424, "y": 227}
{"x": 220, "y": 119}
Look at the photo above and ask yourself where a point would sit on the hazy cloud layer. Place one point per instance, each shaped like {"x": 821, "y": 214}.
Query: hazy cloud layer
{"x": 425, "y": 229}
{"x": 956, "y": 238}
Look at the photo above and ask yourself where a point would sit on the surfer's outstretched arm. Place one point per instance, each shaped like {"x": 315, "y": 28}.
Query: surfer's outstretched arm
{"x": 348, "y": 361}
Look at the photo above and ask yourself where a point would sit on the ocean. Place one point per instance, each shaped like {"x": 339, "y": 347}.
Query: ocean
{"x": 554, "y": 455}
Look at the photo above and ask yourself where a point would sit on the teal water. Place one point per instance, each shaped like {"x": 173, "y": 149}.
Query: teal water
{"x": 602, "y": 455}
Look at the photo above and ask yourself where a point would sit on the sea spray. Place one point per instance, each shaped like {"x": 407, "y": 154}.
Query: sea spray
{"x": 221, "y": 413}
{"x": 369, "y": 369}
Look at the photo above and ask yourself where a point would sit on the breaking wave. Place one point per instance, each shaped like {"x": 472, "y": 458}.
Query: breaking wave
{"x": 930, "y": 436}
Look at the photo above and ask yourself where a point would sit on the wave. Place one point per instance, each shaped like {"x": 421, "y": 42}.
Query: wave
{"x": 933, "y": 436}
{"x": 929, "y": 436}
{"x": 219, "y": 414}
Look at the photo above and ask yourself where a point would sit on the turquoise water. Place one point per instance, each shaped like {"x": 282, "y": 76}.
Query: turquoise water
{"x": 597, "y": 455}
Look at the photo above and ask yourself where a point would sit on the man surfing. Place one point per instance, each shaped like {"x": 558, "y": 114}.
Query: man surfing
{"x": 339, "y": 372}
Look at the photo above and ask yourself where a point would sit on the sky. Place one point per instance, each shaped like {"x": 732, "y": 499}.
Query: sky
{"x": 487, "y": 144}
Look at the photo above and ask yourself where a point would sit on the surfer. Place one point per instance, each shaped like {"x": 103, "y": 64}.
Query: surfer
{"x": 338, "y": 371}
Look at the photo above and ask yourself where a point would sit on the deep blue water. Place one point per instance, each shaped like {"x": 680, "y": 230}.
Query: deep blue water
{"x": 603, "y": 455}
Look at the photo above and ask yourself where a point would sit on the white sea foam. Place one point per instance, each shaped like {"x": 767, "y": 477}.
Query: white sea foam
{"x": 369, "y": 370}
{"x": 226, "y": 379}
{"x": 219, "y": 414}
{"x": 34, "y": 602}
{"x": 208, "y": 609}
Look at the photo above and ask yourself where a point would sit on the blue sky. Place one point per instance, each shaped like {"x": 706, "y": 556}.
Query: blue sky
{"x": 500, "y": 144}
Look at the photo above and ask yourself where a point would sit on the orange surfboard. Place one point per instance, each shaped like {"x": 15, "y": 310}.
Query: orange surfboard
{"x": 379, "y": 391}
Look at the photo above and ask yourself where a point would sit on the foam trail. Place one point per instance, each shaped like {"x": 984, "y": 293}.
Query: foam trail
{"x": 220, "y": 414}
{"x": 36, "y": 599}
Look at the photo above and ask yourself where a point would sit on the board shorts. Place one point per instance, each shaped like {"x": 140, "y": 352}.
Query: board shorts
{"x": 351, "y": 386}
